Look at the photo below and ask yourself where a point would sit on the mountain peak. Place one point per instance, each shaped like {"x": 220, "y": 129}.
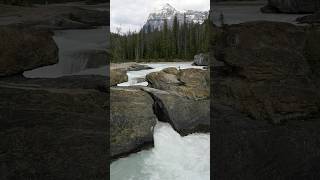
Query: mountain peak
{"x": 165, "y": 8}
{"x": 167, "y": 12}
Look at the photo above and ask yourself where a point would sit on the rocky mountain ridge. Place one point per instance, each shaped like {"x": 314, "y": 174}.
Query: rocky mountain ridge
{"x": 167, "y": 12}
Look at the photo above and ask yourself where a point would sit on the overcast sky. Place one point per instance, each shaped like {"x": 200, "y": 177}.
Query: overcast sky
{"x": 131, "y": 15}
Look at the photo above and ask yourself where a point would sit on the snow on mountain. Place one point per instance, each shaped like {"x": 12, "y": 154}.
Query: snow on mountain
{"x": 156, "y": 18}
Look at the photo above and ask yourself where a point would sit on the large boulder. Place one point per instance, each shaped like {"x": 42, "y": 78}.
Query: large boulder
{"x": 53, "y": 128}
{"x": 270, "y": 71}
{"x": 25, "y": 49}
{"x": 132, "y": 121}
{"x": 291, "y": 6}
{"x": 185, "y": 115}
{"x": 162, "y": 80}
{"x": 191, "y": 83}
{"x": 118, "y": 76}
{"x": 201, "y": 59}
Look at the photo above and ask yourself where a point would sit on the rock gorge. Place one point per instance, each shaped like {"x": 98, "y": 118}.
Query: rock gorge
{"x": 179, "y": 97}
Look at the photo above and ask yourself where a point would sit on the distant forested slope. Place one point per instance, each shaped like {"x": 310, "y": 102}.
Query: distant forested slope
{"x": 167, "y": 44}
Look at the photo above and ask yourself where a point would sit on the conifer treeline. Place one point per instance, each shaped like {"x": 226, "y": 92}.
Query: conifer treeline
{"x": 179, "y": 42}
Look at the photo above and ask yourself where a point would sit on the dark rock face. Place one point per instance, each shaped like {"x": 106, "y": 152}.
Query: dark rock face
{"x": 265, "y": 102}
{"x": 270, "y": 73}
{"x": 132, "y": 121}
{"x": 201, "y": 59}
{"x": 185, "y": 115}
{"x": 25, "y": 49}
{"x": 310, "y": 19}
{"x": 291, "y": 6}
{"x": 88, "y": 17}
{"x": 247, "y": 149}
{"x": 53, "y": 17}
{"x": 53, "y": 129}
{"x": 190, "y": 83}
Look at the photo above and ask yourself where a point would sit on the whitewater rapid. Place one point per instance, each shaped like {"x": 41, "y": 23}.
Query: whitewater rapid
{"x": 172, "y": 158}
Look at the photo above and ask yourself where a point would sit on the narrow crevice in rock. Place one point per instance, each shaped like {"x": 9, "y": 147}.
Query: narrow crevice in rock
{"x": 160, "y": 111}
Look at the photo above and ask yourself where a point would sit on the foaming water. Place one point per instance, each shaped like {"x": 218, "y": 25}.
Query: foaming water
{"x": 172, "y": 158}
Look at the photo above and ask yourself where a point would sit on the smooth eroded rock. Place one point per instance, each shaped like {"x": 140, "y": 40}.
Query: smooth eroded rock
{"x": 191, "y": 83}
{"x": 185, "y": 115}
{"x": 132, "y": 121}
